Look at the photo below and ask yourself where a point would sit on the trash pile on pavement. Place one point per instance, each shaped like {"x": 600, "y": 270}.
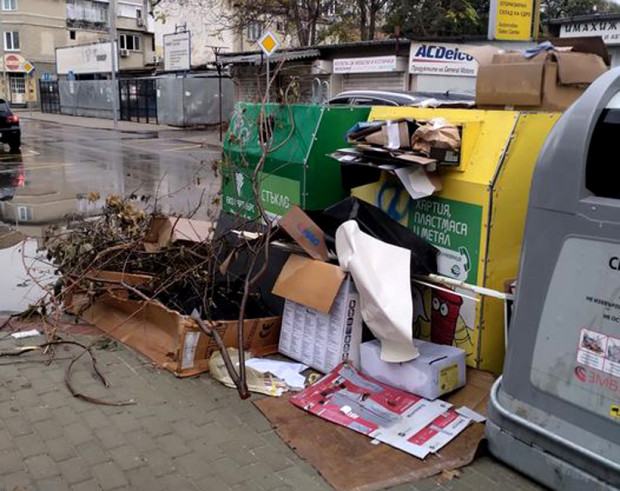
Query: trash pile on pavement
{"x": 154, "y": 283}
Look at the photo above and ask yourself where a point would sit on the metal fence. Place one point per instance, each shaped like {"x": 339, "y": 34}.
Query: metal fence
{"x": 138, "y": 100}
{"x": 172, "y": 101}
{"x": 193, "y": 101}
{"x": 93, "y": 98}
{"x": 50, "y": 97}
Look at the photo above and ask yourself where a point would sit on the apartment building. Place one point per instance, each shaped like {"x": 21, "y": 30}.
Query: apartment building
{"x": 32, "y": 30}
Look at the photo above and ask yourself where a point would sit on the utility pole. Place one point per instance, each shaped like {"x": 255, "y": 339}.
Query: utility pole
{"x": 217, "y": 51}
{"x": 5, "y": 75}
{"x": 114, "y": 51}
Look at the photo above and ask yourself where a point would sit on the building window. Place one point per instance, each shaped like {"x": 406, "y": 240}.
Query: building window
{"x": 9, "y": 4}
{"x": 11, "y": 41}
{"x": 72, "y": 35}
{"x": 129, "y": 42}
{"x": 24, "y": 213}
{"x": 254, "y": 31}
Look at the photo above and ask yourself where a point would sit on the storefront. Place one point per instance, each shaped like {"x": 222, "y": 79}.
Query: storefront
{"x": 14, "y": 77}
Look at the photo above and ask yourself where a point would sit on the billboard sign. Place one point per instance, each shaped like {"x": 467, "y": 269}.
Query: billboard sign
{"x": 514, "y": 20}
{"x": 88, "y": 58}
{"x": 373, "y": 64}
{"x": 442, "y": 59}
{"x": 178, "y": 51}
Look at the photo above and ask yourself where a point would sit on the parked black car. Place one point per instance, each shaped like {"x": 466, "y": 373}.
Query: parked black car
{"x": 402, "y": 98}
{"x": 9, "y": 127}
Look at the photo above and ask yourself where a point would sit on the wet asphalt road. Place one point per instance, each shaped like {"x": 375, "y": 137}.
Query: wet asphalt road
{"x": 59, "y": 165}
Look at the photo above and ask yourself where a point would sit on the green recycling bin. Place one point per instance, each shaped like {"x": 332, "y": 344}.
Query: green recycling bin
{"x": 296, "y": 169}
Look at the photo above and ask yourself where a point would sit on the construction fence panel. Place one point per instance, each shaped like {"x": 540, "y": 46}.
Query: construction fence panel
{"x": 92, "y": 98}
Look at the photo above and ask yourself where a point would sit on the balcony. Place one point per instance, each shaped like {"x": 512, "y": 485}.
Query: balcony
{"x": 87, "y": 14}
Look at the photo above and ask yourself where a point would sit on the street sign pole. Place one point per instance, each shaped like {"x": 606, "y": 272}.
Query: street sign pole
{"x": 268, "y": 88}
{"x": 115, "y": 88}
{"x": 269, "y": 44}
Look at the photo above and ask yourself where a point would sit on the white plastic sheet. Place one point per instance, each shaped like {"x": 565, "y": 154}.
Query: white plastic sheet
{"x": 381, "y": 273}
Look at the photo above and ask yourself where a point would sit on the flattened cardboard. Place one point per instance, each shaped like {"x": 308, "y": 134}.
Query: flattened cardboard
{"x": 586, "y": 44}
{"x": 550, "y": 81}
{"x": 305, "y": 232}
{"x": 349, "y": 461}
{"x": 174, "y": 341}
{"x": 519, "y": 84}
{"x": 579, "y": 68}
{"x": 164, "y": 231}
{"x": 309, "y": 282}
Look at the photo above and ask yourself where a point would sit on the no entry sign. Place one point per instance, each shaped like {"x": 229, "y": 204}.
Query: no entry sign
{"x": 13, "y": 63}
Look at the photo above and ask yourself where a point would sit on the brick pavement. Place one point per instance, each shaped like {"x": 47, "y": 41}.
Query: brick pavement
{"x": 183, "y": 434}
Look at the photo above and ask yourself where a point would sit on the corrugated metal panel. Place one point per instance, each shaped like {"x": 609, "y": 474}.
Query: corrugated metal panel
{"x": 259, "y": 58}
{"x": 362, "y": 81}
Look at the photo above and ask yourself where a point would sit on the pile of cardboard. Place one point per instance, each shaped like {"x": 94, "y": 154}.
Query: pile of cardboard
{"x": 549, "y": 78}
{"x": 412, "y": 150}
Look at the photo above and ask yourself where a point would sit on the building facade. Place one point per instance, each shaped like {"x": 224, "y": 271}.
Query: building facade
{"x": 32, "y": 30}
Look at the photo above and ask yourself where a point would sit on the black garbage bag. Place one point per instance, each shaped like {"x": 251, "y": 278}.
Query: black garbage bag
{"x": 378, "y": 224}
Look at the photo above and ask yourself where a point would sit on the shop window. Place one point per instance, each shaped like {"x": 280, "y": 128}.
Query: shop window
{"x": 601, "y": 176}
{"x": 11, "y": 41}
{"x": 9, "y": 4}
{"x": 253, "y": 31}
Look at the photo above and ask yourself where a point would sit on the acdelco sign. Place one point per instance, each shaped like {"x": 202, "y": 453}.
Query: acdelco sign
{"x": 442, "y": 59}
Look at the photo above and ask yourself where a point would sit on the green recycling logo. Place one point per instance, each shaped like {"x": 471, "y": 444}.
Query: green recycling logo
{"x": 239, "y": 181}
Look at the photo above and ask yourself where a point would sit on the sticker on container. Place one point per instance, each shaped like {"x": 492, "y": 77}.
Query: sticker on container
{"x": 592, "y": 347}
{"x": 612, "y": 357}
{"x": 614, "y": 411}
{"x": 449, "y": 378}
{"x": 189, "y": 350}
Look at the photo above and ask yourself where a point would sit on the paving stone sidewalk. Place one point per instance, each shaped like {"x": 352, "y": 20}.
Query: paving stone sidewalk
{"x": 182, "y": 434}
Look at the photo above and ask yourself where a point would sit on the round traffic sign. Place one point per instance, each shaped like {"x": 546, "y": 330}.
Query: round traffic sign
{"x": 12, "y": 62}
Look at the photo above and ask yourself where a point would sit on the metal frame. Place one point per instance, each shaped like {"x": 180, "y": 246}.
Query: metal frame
{"x": 50, "y": 96}
{"x": 138, "y": 100}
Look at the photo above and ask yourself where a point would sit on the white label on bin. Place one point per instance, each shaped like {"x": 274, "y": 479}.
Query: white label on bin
{"x": 189, "y": 350}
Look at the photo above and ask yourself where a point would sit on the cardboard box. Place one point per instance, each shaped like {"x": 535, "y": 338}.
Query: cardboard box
{"x": 305, "y": 232}
{"x": 78, "y": 297}
{"x": 438, "y": 370}
{"x": 164, "y": 231}
{"x": 174, "y": 341}
{"x": 320, "y": 337}
{"x": 550, "y": 81}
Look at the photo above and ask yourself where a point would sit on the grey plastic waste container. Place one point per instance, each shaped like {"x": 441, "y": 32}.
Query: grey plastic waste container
{"x": 555, "y": 413}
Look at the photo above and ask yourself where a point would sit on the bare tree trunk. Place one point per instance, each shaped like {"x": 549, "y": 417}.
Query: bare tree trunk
{"x": 302, "y": 37}
{"x": 363, "y": 19}
{"x": 372, "y": 23}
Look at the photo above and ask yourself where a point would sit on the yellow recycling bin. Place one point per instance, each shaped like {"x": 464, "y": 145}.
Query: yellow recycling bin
{"x": 477, "y": 222}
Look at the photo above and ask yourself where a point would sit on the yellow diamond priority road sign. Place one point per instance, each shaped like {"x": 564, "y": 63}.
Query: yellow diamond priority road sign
{"x": 28, "y": 67}
{"x": 269, "y": 43}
